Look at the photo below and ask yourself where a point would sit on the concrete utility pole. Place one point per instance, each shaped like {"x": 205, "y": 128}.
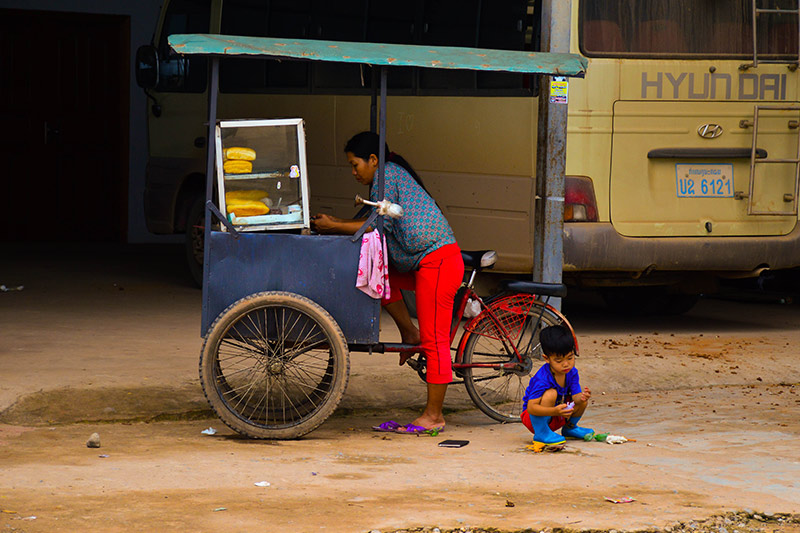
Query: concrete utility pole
{"x": 548, "y": 231}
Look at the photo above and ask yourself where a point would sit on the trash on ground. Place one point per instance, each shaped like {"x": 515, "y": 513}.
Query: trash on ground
{"x": 209, "y": 431}
{"x": 261, "y": 483}
{"x": 607, "y": 438}
{"x": 626, "y": 499}
{"x": 220, "y": 509}
{"x": 94, "y": 441}
{"x": 103, "y": 455}
{"x": 539, "y": 447}
{"x": 509, "y": 503}
{"x": 9, "y": 512}
{"x": 3, "y": 288}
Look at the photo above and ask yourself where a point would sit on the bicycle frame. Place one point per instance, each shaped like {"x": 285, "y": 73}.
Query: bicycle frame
{"x": 505, "y": 336}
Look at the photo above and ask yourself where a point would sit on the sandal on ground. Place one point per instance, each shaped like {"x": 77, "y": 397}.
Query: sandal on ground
{"x": 411, "y": 429}
{"x": 387, "y": 427}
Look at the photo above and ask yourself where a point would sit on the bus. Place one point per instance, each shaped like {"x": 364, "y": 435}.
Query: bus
{"x": 682, "y": 140}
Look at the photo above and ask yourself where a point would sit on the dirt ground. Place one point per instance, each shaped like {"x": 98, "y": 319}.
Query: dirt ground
{"x": 106, "y": 339}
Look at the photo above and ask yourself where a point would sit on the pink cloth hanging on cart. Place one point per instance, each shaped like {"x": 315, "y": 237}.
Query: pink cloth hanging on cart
{"x": 373, "y": 270}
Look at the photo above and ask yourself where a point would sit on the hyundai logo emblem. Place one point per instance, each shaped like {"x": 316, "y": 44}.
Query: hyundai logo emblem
{"x": 709, "y": 131}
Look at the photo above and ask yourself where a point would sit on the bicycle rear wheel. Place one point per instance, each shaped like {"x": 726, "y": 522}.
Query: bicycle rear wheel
{"x": 274, "y": 365}
{"x": 499, "y": 392}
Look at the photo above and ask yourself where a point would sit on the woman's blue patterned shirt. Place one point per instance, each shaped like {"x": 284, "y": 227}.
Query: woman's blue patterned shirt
{"x": 422, "y": 228}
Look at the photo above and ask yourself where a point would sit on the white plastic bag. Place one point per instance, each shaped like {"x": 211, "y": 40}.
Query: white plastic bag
{"x": 472, "y": 309}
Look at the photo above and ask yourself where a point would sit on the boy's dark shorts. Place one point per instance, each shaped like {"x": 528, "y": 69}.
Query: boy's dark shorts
{"x": 556, "y": 422}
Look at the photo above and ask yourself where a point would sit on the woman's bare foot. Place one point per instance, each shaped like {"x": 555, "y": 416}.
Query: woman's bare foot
{"x": 429, "y": 423}
{"x": 405, "y": 356}
{"x": 409, "y": 337}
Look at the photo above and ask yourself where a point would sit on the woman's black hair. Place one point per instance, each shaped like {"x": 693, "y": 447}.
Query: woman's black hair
{"x": 366, "y": 143}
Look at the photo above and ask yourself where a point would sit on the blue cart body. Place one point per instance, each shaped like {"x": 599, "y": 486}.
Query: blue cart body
{"x": 322, "y": 268}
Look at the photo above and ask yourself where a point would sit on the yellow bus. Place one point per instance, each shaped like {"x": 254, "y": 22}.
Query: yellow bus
{"x": 682, "y": 143}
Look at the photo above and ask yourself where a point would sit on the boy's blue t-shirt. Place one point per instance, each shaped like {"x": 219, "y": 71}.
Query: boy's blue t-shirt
{"x": 544, "y": 380}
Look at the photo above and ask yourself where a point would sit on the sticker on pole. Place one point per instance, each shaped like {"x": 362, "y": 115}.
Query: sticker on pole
{"x": 559, "y": 90}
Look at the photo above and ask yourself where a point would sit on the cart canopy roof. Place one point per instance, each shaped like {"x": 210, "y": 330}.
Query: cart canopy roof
{"x": 404, "y": 55}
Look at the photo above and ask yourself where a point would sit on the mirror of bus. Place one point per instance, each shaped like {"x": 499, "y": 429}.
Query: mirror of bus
{"x": 147, "y": 67}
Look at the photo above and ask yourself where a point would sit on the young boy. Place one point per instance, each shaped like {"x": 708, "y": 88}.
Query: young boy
{"x": 554, "y": 398}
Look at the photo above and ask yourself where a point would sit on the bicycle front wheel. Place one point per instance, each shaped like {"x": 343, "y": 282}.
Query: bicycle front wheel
{"x": 499, "y": 392}
{"x": 274, "y": 365}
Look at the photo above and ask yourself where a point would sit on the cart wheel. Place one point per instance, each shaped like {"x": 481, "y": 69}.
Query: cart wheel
{"x": 274, "y": 365}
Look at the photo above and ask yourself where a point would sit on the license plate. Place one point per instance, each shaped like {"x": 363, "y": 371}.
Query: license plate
{"x": 704, "y": 181}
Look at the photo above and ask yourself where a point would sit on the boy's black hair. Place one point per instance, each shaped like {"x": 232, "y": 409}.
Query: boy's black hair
{"x": 556, "y": 340}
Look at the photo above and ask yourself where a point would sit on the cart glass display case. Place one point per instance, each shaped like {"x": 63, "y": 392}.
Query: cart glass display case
{"x": 261, "y": 174}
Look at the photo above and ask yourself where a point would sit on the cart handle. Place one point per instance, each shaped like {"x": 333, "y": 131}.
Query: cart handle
{"x": 216, "y": 212}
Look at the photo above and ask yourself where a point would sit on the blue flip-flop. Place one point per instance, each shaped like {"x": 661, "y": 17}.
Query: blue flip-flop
{"x": 387, "y": 427}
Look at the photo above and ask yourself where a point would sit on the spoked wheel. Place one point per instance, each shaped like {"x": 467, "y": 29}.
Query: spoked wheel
{"x": 496, "y": 392}
{"x": 274, "y": 365}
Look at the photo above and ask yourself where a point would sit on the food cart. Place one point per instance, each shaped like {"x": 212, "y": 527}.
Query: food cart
{"x": 281, "y": 310}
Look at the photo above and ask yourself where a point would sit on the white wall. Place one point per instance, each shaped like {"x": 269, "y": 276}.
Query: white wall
{"x": 143, "y": 15}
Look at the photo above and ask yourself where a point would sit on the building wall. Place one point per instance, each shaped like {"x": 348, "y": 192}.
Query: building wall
{"x": 143, "y": 17}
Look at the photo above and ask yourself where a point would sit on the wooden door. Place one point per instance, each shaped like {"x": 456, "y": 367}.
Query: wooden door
{"x": 64, "y": 92}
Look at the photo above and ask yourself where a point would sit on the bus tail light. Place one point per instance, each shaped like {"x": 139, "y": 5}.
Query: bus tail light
{"x": 580, "y": 204}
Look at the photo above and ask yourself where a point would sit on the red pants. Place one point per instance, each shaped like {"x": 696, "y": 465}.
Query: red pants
{"x": 435, "y": 284}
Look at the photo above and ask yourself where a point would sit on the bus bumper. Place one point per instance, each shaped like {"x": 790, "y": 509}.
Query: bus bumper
{"x": 598, "y": 247}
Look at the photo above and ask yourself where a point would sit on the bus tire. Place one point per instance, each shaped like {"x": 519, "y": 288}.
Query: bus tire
{"x": 194, "y": 239}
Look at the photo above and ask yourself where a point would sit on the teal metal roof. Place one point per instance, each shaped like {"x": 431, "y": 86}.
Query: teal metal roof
{"x": 404, "y": 55}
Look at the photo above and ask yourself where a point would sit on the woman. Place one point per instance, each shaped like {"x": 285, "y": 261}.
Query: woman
{"x": 423, "y": 257}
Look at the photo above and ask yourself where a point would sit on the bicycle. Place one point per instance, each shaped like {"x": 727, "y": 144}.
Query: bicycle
{"x": 499, "y": 345}
{"x": 275, "y": 364}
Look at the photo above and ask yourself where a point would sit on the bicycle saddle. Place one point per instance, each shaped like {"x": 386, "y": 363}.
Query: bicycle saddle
{"x": 534, "y": 287}
{"x": 479, "y": 258}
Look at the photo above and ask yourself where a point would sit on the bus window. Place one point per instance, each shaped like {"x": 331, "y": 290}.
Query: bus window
{"x": 289, "y": 18}
{"x": 685, "y": 29}
{"x": 343, "y": 20}
{"x": 178, "y": 74}
{"x": 506, "y": 25}
{"x": 340, "y": 21}
{"x": 243, "y": 17}
{"x": 501, "y": 24}
{"x": 391, "y": 21}
{"x": 449, "y": 23}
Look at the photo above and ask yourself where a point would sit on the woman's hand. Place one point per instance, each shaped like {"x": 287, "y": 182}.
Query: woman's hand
{"x": 323, "y": 223}
{"x": 326, "y": 224}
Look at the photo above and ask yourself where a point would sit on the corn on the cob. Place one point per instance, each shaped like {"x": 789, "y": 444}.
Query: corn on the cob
{"x": 248, "y": 194}
{"x": 239, "y": 152}
{"x": 237, "y": 166}
{"x": 244, "y": 208}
